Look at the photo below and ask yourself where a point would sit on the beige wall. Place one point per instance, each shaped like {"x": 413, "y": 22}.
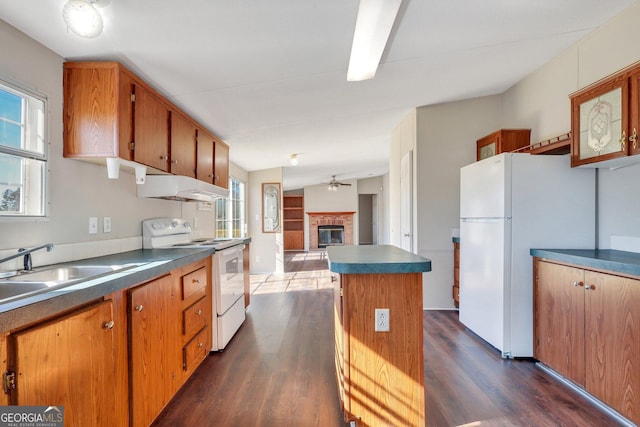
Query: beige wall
{"x": 541, "y": 101}
{"x": 266, "y": 248}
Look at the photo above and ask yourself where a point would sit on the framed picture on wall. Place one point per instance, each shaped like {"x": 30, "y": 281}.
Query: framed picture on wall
{"x": 271, "y": 207}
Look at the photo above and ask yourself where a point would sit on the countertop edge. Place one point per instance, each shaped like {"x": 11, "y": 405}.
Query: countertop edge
{"x": 602, "y": 259}
{"x": 17, "y": 313}
{"x": 380, "y": 259}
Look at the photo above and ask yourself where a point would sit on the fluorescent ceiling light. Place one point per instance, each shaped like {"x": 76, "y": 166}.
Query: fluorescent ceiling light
{"x": 373, "y": 26}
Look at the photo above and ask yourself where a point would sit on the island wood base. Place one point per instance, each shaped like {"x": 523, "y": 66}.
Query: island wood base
{"x": 380, "y": 374}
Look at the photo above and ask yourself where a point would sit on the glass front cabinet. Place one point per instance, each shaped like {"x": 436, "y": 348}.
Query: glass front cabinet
{"x": 604, "y": 122}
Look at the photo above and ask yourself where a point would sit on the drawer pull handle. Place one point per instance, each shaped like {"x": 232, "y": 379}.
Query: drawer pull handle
{"x": 200, "y": 345}
{"x": 139, "y": 307}
{"x": 199, "y": 312}
{"x": 108, "y": 325}
{"x": 589, "y": 287}
{"x": 196, "y": 280}
{"x": 576, "y": 284}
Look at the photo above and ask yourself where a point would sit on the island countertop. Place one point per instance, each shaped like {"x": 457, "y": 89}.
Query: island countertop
{"x": 366, "y": 259}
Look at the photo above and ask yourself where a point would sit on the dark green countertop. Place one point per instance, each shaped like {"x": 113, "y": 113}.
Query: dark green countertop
{"x": 375, "y": 259}
{"x": 153, "y": 263}
{"x": 602, "y": 259}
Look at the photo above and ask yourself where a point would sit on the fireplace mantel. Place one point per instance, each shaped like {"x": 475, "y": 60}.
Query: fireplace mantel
{"x": 331, "y": 213}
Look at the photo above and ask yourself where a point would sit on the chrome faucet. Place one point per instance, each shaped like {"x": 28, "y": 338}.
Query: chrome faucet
{"x": 27, "y": 255}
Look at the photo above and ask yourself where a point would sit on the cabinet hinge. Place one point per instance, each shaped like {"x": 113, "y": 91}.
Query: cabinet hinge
{"x": 9, "y": 381}
{"x": 341, "y": 292}
{"x": 133, "y": 97}
{"x": 132, "y": 146}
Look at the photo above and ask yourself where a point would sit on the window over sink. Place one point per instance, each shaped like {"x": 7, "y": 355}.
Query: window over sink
{"x": 23, "y": 154}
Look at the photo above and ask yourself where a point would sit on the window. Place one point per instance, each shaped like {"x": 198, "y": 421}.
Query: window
{"x": 230, "y": 213}
{"x": 22, "y": 152}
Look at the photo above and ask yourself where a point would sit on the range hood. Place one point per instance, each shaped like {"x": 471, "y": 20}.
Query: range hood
{"x": 182, "y": 188}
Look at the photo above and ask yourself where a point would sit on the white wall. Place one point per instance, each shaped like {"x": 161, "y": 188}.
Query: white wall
{"x": 267, "y": 249}
{"x": 446, "y": 141}
{"x": 541, "y": 101}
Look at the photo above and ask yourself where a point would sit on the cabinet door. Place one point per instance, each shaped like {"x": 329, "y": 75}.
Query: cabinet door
{"x": 221, "y": 166}
{"x": 599, "y": 123}
{"x": 612, "y": 341}
{"x": 488, "y": 146}
{"x": 559, "y": 319}
{"x": 151, "y": 130}
{"x": 154, "y": 362}
{"x": 205, "y": 157}
{"x": 90, "y": 112}
{"x": 69, "y": 362}
{"x": 634, "y": 114}
{"x": 183, "y": 145}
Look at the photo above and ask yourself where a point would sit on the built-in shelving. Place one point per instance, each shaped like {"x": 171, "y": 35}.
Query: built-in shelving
{"x": 293, "y": 217}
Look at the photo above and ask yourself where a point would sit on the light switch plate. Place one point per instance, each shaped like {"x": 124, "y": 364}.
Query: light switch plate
{"x": 106, "y": 224}
{"x": 93, "y": 225}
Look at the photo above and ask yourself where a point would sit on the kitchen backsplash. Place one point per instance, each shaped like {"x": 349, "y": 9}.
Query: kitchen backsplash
{"x": 72, "y": 252}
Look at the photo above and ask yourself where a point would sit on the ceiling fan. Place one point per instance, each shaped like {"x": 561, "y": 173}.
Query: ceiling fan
{"x": 334, "y": 184}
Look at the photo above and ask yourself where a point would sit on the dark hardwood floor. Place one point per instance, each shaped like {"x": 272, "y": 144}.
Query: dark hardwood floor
{"x": 279, "y": 370}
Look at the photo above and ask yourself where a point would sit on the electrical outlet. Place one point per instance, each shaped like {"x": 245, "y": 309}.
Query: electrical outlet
{"x": 382, "y": 319}
{"x": 93, "y": 225}
{"x": 106, "y": 224}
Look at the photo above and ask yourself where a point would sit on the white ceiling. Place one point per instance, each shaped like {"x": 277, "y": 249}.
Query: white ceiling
{"x": 269, "y": 77}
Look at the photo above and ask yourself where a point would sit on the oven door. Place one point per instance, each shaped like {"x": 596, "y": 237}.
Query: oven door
{"x": 230, "y": 278}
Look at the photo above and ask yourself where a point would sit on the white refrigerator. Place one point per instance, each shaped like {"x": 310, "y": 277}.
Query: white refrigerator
{"x": 509, "y": 204}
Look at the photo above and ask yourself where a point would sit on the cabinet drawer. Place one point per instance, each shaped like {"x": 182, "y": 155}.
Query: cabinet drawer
{"x": 195, "y": 351}
{"x": 194, "y": 318}
{"x": 194, "y": 283}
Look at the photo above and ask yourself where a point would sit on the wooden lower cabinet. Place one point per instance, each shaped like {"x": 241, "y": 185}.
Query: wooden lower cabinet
{"x": 153, "y": 353}
{"x": 69, "y": 362}
{"x": 169, "y": 336}
{"x": 586, "y": 328}
{"x": 456, "y": 274}
{"x": 380, "y": 374}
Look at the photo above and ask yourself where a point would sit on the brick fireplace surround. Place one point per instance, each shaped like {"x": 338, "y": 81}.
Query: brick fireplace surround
{"x": 330, "y": 218}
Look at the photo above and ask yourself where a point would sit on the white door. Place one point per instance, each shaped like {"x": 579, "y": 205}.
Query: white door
{"x": 406, "y": 201}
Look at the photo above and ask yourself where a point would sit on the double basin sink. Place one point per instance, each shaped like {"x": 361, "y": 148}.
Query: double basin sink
{"x": 48, "y": 278}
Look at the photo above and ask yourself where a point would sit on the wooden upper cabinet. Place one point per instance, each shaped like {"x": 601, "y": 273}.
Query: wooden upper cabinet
{"x": 70, "y": 362}
{"x": 205, "y": 147}
{"x": 605, "y": 121}
{"x": 183, "y": 145}
{"x": 221, "y": 164}
{"x": 109, "y": 112}
{"x": 97, "y": 110}
{"x": 502, "y": 141}
{"x": 151, "y": 130}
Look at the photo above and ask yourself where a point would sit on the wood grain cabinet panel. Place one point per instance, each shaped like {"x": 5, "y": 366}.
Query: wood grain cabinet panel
{"x": 151, "y": 130}
{"x": 612, "y": 341}
{"x": 221, "y": 164}
{"x": 587, "y": 325}
{"x": 382, "y": 373}
{"x": 183, "y": 145}
{"x": 204, "y": 162}
{"x": 502, "y": 141}
{"x": 70, "y": 362}
{"x": 154, "y": 356}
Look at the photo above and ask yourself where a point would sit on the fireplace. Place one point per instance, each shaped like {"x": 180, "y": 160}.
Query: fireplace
{"x": 338, "y": 226}
{"x": 330, "y": 235}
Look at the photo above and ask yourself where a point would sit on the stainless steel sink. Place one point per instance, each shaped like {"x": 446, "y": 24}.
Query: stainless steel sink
{"x": 43, "y": 279}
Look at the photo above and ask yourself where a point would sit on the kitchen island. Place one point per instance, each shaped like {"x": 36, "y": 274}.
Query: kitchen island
{"x": 378, "y": 334}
